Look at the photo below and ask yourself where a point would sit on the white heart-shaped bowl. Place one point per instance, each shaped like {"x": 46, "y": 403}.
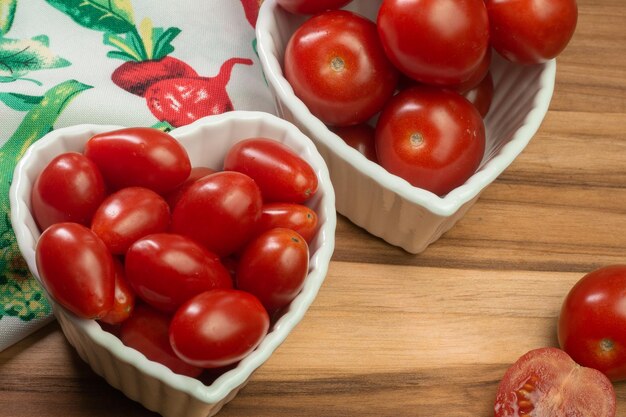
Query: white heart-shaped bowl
{"x": 382, "y": 203}
{"x": 145, "y": 381}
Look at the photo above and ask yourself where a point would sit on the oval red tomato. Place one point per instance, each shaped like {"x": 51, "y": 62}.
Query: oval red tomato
{"x": 434, "y": 139}
{"x": 196, "y": 173}
{"x": 438, "y": 42}
{"x": 123, "y": 299}
{"x": 530, "y": 31}
{"x": 297, "y": 217}
{"x": 220, "y": 211}
{"x": 166, "y": 270}
{"x": 281, "y": 174}
{"x": 592, "y": 323}
{"x": 218, "y": 328}
{"x": 337, "y": 67}
{"x": 273, "y": 267}
{"x": 147, "y": 330}
{"x": 139, "y": 156}
{"x": 69, "y": 189}
{"x": 130, "y": 214}
{"x": 546, "y": 382}
{"x": 76, "y": 269}
{"x": 311, "y": 6}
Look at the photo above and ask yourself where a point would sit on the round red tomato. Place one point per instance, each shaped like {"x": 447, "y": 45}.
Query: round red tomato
{"x": 434, "y": 139}
{"x": 123, "y": 299}
{"x": 439, "y": 42}
{"x": 128, "y": 215}
{"x": 220, "y": 211}
{"x": 360, "y": 137}
{"x": 278, "y": 171}
{"x": 147, "y": 330}
{"x": 481, "y": 95}
{"x": 76, "y": 269}
{"x": 69, "y": 189}
{"x": 531, "y": 31}
{"x": 337, "y": 67}
{"x": 166, "y": 270}
{"x": 297, "y": 217}
{"x": 273, "y": 267}
{"x": 311, "y": 6}
{"x": 139, "y": 156}
{"x": 592, "y": 323}
{"x": 218, "y": 328}
{"x": 546, "y": 382}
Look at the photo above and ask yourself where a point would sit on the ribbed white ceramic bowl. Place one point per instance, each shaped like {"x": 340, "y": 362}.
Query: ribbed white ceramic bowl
{"x": 150, "y": 383}
{"x": 384, "y": 204}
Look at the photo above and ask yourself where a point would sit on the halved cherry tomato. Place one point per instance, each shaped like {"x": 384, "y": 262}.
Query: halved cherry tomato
{"x": 76, "y": 269}
{"x": 297, "y": 217}
{"x": 546, "y": 382}
{"x": 281, "y": 174}
{"x": 124, "y": 298}
{"x": 218, "y": 328}
{"x": 139, "y": 156}
{"x": 69, "y": 189}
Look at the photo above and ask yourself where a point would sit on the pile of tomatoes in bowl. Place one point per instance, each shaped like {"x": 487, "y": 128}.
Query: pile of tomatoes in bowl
{"x": 410, "y": 90}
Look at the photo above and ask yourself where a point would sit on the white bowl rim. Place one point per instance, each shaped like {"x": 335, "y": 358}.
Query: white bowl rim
{"x": 443, "y": 206}
{"x": 234, "y": 378}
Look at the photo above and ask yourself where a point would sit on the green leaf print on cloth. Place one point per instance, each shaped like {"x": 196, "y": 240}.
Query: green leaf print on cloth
{"x": 7, "y": 12}
{"x": 20, "y": 294}
{"x": 20, "y": 56}
{"x": 104, "y": 15}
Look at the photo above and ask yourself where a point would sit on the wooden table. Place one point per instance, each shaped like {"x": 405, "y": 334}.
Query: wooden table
{"x": 393, "y": 334}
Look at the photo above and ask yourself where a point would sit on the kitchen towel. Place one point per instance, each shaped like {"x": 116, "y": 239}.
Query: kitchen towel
{"x": 153, "y": 63}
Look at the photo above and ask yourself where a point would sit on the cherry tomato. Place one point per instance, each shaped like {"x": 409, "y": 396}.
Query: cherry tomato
{"x": 196, "y": 173}
{"x": 218, "y": 328}
{"x": 296, "y": 217}
{"x": 147, "y": 330}
{"x": 128, "y": 215}
{"x": 273, "y": 267}
{"x": 481, "y": 95}
{"x": 546, "y": 382}
{"x": 360, "y": 137}
{"x": 592, "y": 323}
{"x": 166, "y": 270}
{"x": 69, "y": 189}
{"x": 220, "y": 211}
{"x": 123, "y": 299}
{"x": 278, "y": 171}
{"x": 76, "y": 269}
{"x": 434, "y": 139}
{"x": 440, "y": 42}
{"x": 531, "y": 31}
{"x": 478, "y": 75}
{"x": 337, "y": 67}
{"x": 139, "y": 156}
{"x": 311, "y": 6}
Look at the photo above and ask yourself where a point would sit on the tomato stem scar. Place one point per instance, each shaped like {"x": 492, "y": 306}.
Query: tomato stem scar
{"x": 416, "y": 139}
{"x": 337, "y": 64}
{"x": 606, "y": 345}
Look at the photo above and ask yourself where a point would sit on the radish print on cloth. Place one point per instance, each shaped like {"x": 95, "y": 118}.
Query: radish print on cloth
{"x": 158, "y": 63}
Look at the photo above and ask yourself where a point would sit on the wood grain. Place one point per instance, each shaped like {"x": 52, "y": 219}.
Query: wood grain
{"x": 393, "y": 334}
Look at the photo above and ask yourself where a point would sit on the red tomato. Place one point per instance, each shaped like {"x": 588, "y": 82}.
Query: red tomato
{"x": 311, "y": 6}
{"x": 360, "y": 137}
{"x": 130, "y": 214}
{"x": 478, "y": 75}
{"x": 69, "y": 189}
{"x": 76, "y": 269}
{"x": 337, "y": 67}
{"x": 218, "y": 328}
{"x": 273, "y": 267}
{"x": 434, "y": 139}
{"x": 196, "y": 173}
{"x": 220, "y": 211}
{"x": 139, "y": 156}
{"x": 166, "y": 270}
{"x": 124, "y": 297}
{"x": 147, "y": 330}
{"x": 481, "y": 95}
{"x": 296, "y": 217}
{"x": 279, "y": 172}
{"x": 531, "y": 31}
{"x": 592, "y": 322}
{"x": 546, "y": 382}
{"x": 440, "y": 42}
